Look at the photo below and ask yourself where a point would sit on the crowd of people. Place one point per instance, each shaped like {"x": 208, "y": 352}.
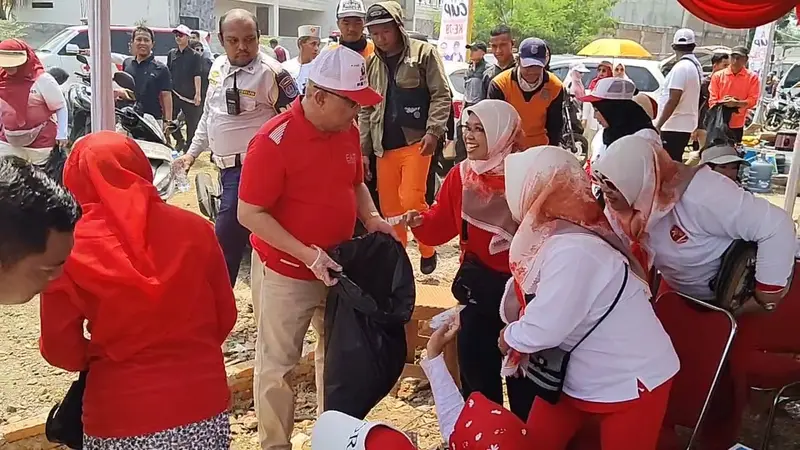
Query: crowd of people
{"x": 556, "y": 258}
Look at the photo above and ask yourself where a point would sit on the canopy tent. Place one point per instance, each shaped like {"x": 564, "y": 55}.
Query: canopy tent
{"x": 739, "y": 13}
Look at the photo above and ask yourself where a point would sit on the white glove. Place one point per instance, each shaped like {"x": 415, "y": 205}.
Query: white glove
{"x": 323, "y": 265}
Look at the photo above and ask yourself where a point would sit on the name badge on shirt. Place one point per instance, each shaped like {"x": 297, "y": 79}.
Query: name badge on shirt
{"x": 247, "y": 93}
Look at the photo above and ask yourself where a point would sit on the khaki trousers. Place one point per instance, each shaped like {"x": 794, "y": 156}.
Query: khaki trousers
{"x": 284, "y": 308}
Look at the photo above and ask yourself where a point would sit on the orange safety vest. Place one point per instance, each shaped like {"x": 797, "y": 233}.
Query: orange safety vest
{"x": 533, "y": 113}
{"x": 368, "y": 51}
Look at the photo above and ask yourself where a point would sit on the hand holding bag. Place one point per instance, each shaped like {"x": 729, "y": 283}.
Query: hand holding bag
{"x": 548, "y": 368}
{"x": 65, "y": 422}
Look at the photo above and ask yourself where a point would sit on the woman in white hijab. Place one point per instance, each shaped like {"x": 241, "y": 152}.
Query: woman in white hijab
{"x": 622, "y": 361}
{"x": 471, "y": 204}
{"x": 681, "y": 220}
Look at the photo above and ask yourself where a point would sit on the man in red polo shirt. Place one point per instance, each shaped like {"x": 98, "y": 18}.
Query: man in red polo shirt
{"x": 301, "y": 191}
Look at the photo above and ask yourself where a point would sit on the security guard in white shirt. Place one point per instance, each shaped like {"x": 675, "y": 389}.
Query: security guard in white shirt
{"x": 245, "y": 89}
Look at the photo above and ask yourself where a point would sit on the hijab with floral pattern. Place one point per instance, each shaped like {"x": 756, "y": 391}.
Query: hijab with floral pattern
{"x": 652, "y": 184}
{"x": 483, "y": 202}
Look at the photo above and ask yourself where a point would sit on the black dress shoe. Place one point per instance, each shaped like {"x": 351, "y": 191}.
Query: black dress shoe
{"x": 427, "y": 265}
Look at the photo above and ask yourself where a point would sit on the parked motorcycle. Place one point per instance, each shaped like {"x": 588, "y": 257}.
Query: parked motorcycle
{"x": 782, "y": 112}
{"x": 143, "y": 128}
{"x": 572, "y": 137}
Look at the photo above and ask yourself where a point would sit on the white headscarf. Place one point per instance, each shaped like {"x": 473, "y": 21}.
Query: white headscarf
{"x": 501, "y": 123}
{"x": 651, "y": 182}
{"x": 575, "y": 79}
{"x": 483, "y": 201}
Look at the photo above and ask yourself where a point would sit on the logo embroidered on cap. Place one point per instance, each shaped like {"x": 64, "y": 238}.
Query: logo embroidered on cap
{"x": 376, "y": 13}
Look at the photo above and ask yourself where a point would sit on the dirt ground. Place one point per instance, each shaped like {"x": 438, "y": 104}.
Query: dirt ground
{"x": 29, "y": 386}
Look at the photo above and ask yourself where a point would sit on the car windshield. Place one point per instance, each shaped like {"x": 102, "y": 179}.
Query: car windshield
{"x": 793, "y": 77}
{"x": 54, "y": 44}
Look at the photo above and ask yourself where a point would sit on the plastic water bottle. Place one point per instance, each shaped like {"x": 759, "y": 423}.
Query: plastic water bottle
{"x": 181, "y": 179}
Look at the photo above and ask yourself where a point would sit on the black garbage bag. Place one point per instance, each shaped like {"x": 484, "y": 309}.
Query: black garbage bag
{"x": 717, "y": 126}
{"x": 365, "y": 341}
{"x": 54, "y": 166}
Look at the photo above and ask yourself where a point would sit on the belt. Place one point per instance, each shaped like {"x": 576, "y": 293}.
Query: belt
{"x": 229, "y": 161}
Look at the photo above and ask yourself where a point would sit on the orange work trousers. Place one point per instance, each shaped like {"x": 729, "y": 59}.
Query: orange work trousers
{"x": 402, "y": 179}
{"x": 631, "y": 425}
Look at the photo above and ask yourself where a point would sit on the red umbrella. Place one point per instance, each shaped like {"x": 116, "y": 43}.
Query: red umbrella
{"x": 739, "y": 13}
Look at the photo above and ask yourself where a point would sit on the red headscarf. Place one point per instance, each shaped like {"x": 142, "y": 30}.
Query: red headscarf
{"x": 15, "y": 89}
{"x": 127, "y": 268}
{"x": 599, "y": 77}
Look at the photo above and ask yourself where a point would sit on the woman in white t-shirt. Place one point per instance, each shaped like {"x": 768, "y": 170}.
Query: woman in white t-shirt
{"x": 681, "y": 220}
{"x": 33, "y": 111}
{"x": 621, "y": 372}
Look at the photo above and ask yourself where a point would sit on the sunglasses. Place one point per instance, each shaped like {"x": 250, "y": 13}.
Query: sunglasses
{"x": 350, "y": 102}
{"x": 602, "y": 180}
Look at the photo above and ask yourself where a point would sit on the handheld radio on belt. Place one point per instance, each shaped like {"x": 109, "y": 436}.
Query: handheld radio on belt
{"x": 232, "y": 99}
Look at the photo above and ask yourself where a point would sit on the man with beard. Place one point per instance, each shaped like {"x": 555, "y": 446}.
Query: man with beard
{"x": 246, "y": 88}
{"x": 37, "y": 218}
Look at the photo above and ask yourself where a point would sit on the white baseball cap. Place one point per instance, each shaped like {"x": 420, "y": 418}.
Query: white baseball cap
{"x": 336, "y": 431}
{"x": 344, "y": 72}
{"x": 611, "y": 88}
{"x": 182, "y": 29}
{"x": 684, "y": 36}
{"x": 351, "y": 8}
{"x": 308, "y": 31}
{"x": 579, "y": 67}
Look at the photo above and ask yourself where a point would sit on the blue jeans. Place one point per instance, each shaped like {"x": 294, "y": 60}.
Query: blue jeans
{"x": 232, "y": 236}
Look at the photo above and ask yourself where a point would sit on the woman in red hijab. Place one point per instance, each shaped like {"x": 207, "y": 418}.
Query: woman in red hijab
{"x": 33, "y": 113}
{"x": 158, "y": 306}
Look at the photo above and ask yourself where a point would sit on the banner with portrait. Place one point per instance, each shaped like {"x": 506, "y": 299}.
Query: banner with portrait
{"x": 454, "y": 30}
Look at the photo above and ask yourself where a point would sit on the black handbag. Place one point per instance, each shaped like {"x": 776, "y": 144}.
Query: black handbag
{"x": 475, "y": 282}
{"x": 65, "y": 422}
{"x": 548, "y": 368}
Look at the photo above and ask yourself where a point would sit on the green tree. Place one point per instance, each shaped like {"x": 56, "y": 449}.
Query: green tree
{"x": 11, "y": 29}
{"x": 567, "y": 25}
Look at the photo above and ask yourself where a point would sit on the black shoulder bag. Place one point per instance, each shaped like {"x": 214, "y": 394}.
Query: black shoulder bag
{"x": 548, "y": 368}
{"x": 65, "y": 422}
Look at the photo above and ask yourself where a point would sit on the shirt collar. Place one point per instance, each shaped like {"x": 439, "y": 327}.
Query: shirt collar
{"x": 307, "y": 129}
{"x": 729, "y": 72}
{"x": 250, "y": 68}
{"x": 147, "y": 60}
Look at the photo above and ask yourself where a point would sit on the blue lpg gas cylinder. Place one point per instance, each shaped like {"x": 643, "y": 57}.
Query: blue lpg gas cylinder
{"x": 759, "y": 175}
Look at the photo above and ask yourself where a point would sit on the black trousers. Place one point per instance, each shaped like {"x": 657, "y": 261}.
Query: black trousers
{"x": 675, "y": 142}
{"x": 480, "y": 359}
{"x": 192, "y": 114}
{"x": 738, "y": 134}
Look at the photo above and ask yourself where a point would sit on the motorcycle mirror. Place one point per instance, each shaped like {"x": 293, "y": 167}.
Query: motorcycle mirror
{"x": 125, "y": 80}
{"x": 82, "y": 59}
